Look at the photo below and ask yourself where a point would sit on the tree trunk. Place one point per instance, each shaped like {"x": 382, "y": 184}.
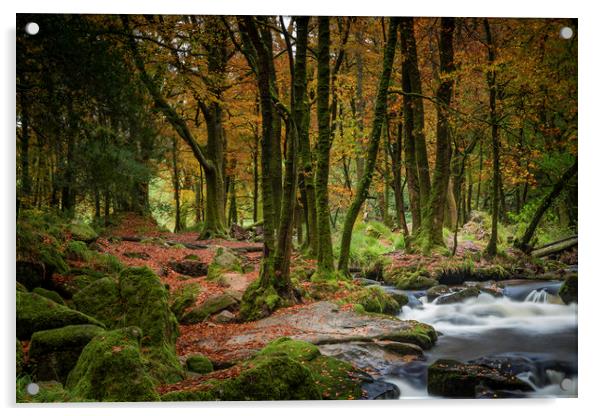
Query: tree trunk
{"x": 379, "y": 116}
{"x": 176, "y": 184}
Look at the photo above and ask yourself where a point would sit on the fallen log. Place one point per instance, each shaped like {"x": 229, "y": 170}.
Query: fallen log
{"x": 555, "y": 248}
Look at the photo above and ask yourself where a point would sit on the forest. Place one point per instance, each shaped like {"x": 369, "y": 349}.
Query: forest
{"x": 295, "y": 208}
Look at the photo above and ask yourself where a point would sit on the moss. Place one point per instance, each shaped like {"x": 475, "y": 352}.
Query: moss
{"x": 78, "y": 250}
{"x": 53, "y": 258}
{"x": 374, "y": 299}
{"x": 258, "y": 302}
{"x": 183, "y": 298}
{"x": 209, "y": 307}
{"x": 19, "y": 358}
{"x": 53, "y": 353}
{"x": 199, "y": 364}
{"x": 192, "y": 257}
{"x": 224, "y": 260}
{"x": 409, "y": 280}
{"x": 111, "y": 368}
{"x": 67, "y": 288}
{"x": 107, "y": 263}
{"x": 49, "y": 294}
{"x": 178, "y": 246}
{"x": 36, "y": 313}
{"x": 419, "y": 334}
{"x": 50, "y": 392}
{"x": 82, "y": 232}
{"x": 138, "y": 298}
{"x": 569, "y": 290}
{"x": 21, "y": 287}
{"x": 297, "y": 350}
{"x": 188, "y": 396}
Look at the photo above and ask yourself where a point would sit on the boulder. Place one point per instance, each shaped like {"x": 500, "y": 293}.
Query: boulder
{"x": 37, "y": 313}
{"x": 138, "y": 298}
{"x": 82, "y": 232}
{"x": 408, "y": 280}
{"x": 225, "y": 317}
{"x": 434, "y": 292}
{"x": 183, "y": 298}
{"x": 54, "y": 352}
{"x": 192, "y": 268}
{"x": 568, "y": 290}
{"x": 111, "y": 368}
{"x": 212, "y": 305}
{"x": 199, "y": 364}
{"x": 450, "y": 378}
{"x": 459, "y": 296}
{"x": 375, "y": 299}
{"x": 380, "y": 390}
{"x": 49, "y": 294}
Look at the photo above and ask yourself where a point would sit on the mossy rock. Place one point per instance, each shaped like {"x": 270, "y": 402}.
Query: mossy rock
{"x": 67, "y": 288}
{"x": 401, "y": 298}
{"x": 297, "y": 350}
{"x": 192, "y": 268}
{"x": 434, "y": 292}
{"x": 49, "y": 392}
{"x": 183, "y": 298}
{"x": 374, "y": 299}
{"x": 82, "y": 232}
{"x": 569, "y": 290}
{"x": 78, "y": 250}
{"x": 459, "y": 296}
{"x": 450, "y": 378}
{"x": 258, "y": 302}
{"x": 138, "y": 298}
{"x": 408, "y": 280}
{"x": 37, "y": 313}
{"x": 227, "y": 259}
{"x": 49, "y": 294}
{"x": 20, "y": 358}
{"x": 111, "y": 368}
{"x": 212, "y": 305}
{"x": 54, "y": 352}
{"x": 419, "y": 334}
{"x": 199, "y": 364}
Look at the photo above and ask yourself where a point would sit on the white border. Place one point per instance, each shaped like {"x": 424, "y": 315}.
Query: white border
{"x": 590, "y": 155}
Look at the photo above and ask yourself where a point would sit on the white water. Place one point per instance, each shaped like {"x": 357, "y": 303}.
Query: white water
{"x": 542, "y": 332}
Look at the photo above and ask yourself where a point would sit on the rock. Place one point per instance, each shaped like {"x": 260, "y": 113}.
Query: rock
{"x": 491, "y": 288}
{"x": 191, "y": 268}
{"x": 49, "y": 294}
{"x": 449, "y": 378}
{"x": 374, "y": 299}
{"x": 460, "y": 296}
{"x": 183, "y": 298}
{"x": 568, "y": 290}
{"x": 225, "y": 317}
{"x": 67, "y": 287}
{"x": 226, "y": 259}
{"x": 380, "y": 390}
{"x": 82, "y": 232}
{"x": 400, "y": 296}
{"x": 20, "y": 358}
{"x": 32, "y": 274}
{"x": 111, "y": 368}
{"x": 138, "y": 298}
{"x": 37, "y": 313}
{"x": 212, "y": 305}
{"x": 199, "y": 364}
{"x": 365, "y": 282}
{"x": 436, "y": 291}
{"x": 53, "y": 353}
{"x": 407, "y": 280}
{"x": 401, "y": 348}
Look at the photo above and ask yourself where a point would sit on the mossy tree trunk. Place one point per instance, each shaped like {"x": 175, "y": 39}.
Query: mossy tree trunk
{"x": 176, "y": 184}
{"x": 325, "y": 256}
{"x": 370, "y": 162}
{"x": 491, "y": 249}
{"x": 432, "y": 230}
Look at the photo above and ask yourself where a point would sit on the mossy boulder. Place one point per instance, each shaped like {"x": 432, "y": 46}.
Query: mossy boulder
{"x": 54, "y": 352}
{"x": 68, "y": 287}
{"x": 49, "y": 294}
{"x": 112, "y": 368}
{"x": 418, "y": 333}
{"x": 450, "y": 378}
{"x": 224, "y": 260}
{"x": 258, "y": 301}
{"x": 138, "y": 298}
{"x": 78, "y": 250}
{"x": 82, "y": 232}
{"x": 434, "y": 292}
{"x": 374, "y": 299}
{"x": 297, "y": 350}
{"x": 20, "y": 358}
{"x": 199, "y": 364}
{"x": 568, "y": 291}
{"x": 212, "y": 305}
{"x": 459, "y": 296}
{"x": 37, "y": 313}
{"x": 410, "y": 280}
{"x": 183, "y": 298}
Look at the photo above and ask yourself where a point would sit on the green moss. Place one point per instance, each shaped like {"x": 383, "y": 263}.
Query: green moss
{"x": 49, "y": 294}
{"x": 192, "y": 257}
{"x": 199, "y": 364}
{"x": 569, "y": 290}
{"x": 297, "y": 350}
{"x": 50, "y": 392}
{"x": 258, "y": 302}
{"x": 21, "y": 287}
{"x": 409, "y": 280}
{"x": 36, "y": 313}
{"x": 54, "y": 352}
{"x": 209, "y": 307}
{"x": 82, "y": 232}
{"x": 20, "y": 358}
{"x": 106, "y": 263}
{"x": 374, "y": 299}
{"x": 419, "y": 334}
{"x": 52, "y": 257}
{"x": 78, "y": 250}
{"x": 183, "y": 298}
{"x": 111, "y": 368}
{"x": 100, "y": 299}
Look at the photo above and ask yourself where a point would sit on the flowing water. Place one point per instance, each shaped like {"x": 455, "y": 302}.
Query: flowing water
{"x": 528, "y": 329}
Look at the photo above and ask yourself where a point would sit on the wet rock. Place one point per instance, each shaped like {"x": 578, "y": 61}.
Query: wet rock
{"x": 450, "y": 378}
{"x": 401, "y": 348}
{"x": 380, "y": 390}
{"x": 191, "y": 268}
{"x": 568, "y": 290}
{"x": 460, "y": 296}
{"x": 53, "y": 353}
{"x": 436, "y": 291}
